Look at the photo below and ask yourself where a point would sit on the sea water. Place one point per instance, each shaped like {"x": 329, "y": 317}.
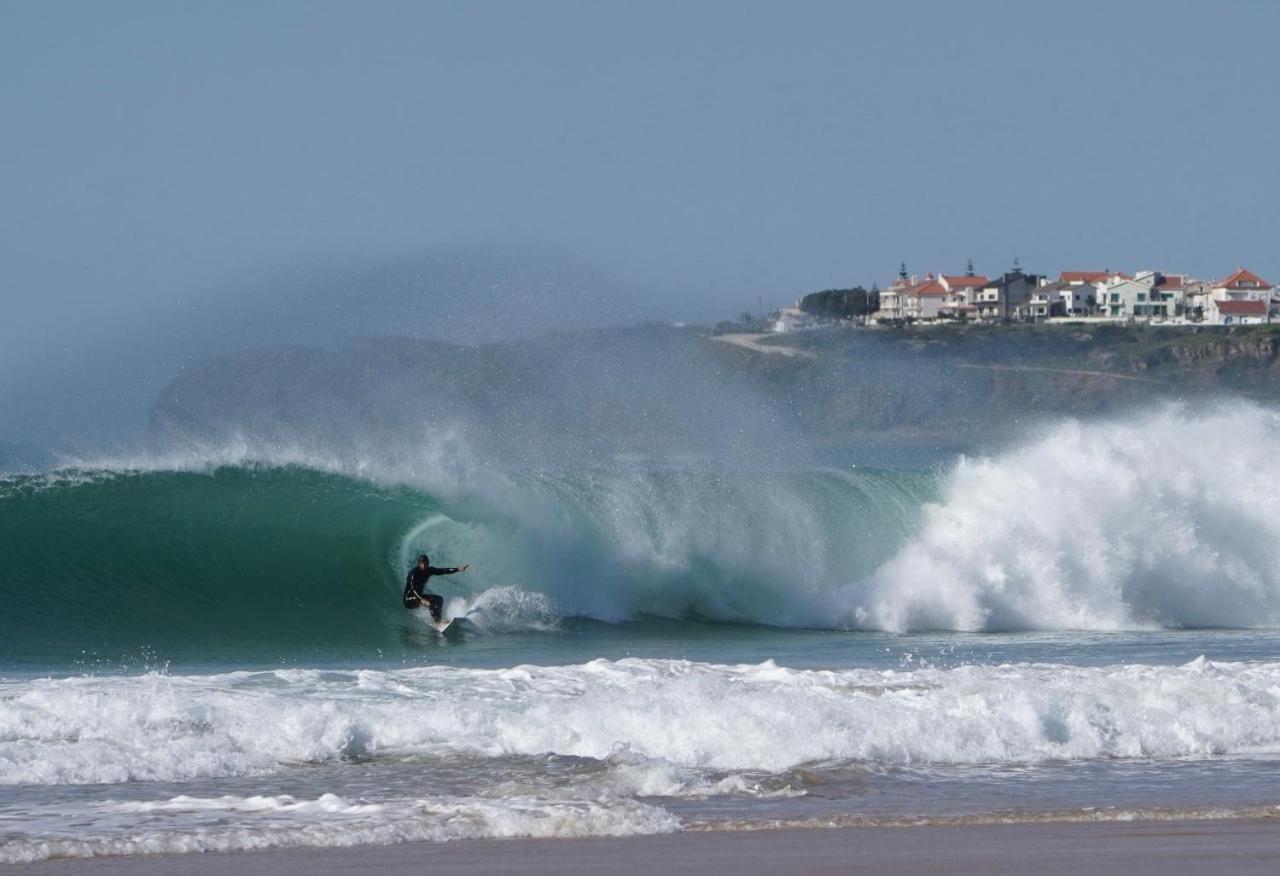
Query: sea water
{"x": 209, "y": 653}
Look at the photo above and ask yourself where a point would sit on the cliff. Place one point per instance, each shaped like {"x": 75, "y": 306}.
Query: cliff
{"x": 964, "y": 387}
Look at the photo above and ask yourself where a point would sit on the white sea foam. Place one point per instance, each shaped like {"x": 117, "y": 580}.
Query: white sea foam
{"x": 1168, "y": 519}
{"x": 690, "y": 716}
{"x": 1084, "y": 815}
{"x": 231, "y": 823}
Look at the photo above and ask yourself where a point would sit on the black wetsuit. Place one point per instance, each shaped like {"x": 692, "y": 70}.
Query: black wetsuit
{"x": 413, "y": 589}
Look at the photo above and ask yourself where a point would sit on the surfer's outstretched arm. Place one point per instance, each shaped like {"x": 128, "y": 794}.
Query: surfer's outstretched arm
{"x": 450, "y": 570}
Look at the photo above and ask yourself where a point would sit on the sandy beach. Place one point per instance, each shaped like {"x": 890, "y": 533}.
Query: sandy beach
{"x": 752, "y": 342}
{"x": 1227, "y": 846}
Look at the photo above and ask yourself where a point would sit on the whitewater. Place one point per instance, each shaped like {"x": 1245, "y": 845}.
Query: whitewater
{"x": 203, "y": 648}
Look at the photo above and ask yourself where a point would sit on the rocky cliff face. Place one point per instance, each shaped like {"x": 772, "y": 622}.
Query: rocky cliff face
{"x": 1254, "y": 351}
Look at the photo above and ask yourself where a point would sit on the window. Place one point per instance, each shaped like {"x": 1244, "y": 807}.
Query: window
{"x": 1115, "y": 297}
{"x": 1142, "y": 296}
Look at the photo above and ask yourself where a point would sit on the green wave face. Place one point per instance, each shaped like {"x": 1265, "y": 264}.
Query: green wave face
{"x": 250, "y": 564}
{"x": 253, "y": 562}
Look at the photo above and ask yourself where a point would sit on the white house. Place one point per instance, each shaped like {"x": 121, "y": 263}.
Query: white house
{"x": 1121, "y": 297}
{"x": 962, "y": 291}
{"x": 1170, "y": 290}
{"x": 924, "y": 300}
{"x": 1085, "y": 291}
{"x": 1196, "y": 295}
{"x": 1243, "y": 298}
{"x": 1239, "y": 312}
{"x": 1165, "y": 298}
{"x": 1243, "y": 285}
{"x": 892, "y": 302}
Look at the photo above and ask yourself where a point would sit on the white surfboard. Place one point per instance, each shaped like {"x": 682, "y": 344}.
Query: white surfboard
{"x": 441, "y": 625}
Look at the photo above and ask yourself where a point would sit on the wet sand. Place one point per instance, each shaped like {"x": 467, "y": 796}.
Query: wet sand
{"x": 1164, "y": 848}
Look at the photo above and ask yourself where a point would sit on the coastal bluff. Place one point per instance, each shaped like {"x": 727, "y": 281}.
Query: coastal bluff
{"x": 961, "y": 386}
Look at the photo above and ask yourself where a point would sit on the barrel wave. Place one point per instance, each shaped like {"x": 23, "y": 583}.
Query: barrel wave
{"x": 263, "y": 562}
{"x": 1146, "y": 523}
{"x": 145, "y": 564}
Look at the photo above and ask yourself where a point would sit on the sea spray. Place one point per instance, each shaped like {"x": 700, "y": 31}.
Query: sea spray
{"x": 1166, "y": 519}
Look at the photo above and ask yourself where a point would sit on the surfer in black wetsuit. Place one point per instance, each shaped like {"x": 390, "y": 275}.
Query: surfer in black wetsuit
{"x": 415, "y": 596}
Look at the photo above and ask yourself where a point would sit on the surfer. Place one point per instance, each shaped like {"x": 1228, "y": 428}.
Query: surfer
{"x": 414, "y": 594}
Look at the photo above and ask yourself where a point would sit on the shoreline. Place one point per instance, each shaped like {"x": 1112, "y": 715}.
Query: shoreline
{"x": 1139, "y": 847}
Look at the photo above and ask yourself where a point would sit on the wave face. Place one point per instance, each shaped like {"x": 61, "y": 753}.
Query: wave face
{"x": 119, "y": 564}
{"x": 253, "y": 561}
{"x": 1171, "y": 519}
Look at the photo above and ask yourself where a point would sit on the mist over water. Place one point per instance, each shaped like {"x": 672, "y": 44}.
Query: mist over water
{"x": 84, "y": 380}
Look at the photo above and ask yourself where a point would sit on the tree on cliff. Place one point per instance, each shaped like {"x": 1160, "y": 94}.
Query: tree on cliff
{"x": 837, "y": 303}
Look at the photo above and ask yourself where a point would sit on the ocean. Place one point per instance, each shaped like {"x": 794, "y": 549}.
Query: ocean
{"x": 206, "y": 650}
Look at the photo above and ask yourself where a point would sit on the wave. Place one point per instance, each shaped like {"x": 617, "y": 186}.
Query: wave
{"x": 265, "y": 561}
{"x": 137, "y": 563}
{"x": 1167, "y": 519}
{"x": 332, "y": 822}
{"x": 680, "y": 714}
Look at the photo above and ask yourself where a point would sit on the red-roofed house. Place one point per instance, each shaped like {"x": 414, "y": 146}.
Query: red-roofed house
{"x": 965, "y": 281}
{"x": 961, "y": 291}
{"x": 1242, "y": 286}
{"x": 1242, "y": 312}
{"x": 923, "y": 300}
{"x": 1080, "y": 277}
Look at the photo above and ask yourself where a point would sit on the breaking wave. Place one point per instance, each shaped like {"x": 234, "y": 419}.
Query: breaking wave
{"x": 679, "y": 714}
{"x": 1169, "y": 519}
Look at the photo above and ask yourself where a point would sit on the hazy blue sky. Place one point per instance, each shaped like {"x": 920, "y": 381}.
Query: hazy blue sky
{"x": 158, "y": 156}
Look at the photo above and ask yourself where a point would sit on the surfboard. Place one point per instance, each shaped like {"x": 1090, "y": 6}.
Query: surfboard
{"x": 441, "y": 625}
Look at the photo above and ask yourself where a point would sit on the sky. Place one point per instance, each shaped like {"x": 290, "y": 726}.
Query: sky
{"x": 163, "y": 164}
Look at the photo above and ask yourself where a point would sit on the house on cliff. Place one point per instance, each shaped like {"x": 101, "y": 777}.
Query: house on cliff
{"x": 1242, "y": 298}
{"x": 961, "y": 291}
{"x": 924, "y": 300}
{"x": 892, "y": 299}
{"x": 999, "y": 300}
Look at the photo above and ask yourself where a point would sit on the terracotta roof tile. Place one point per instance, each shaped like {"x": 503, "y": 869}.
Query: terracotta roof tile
{"x": 1244, "y": 279}
{"x": 1242, "y": 308}
{"x": 928, "y": 287}
{"x": 966, "y": 282}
